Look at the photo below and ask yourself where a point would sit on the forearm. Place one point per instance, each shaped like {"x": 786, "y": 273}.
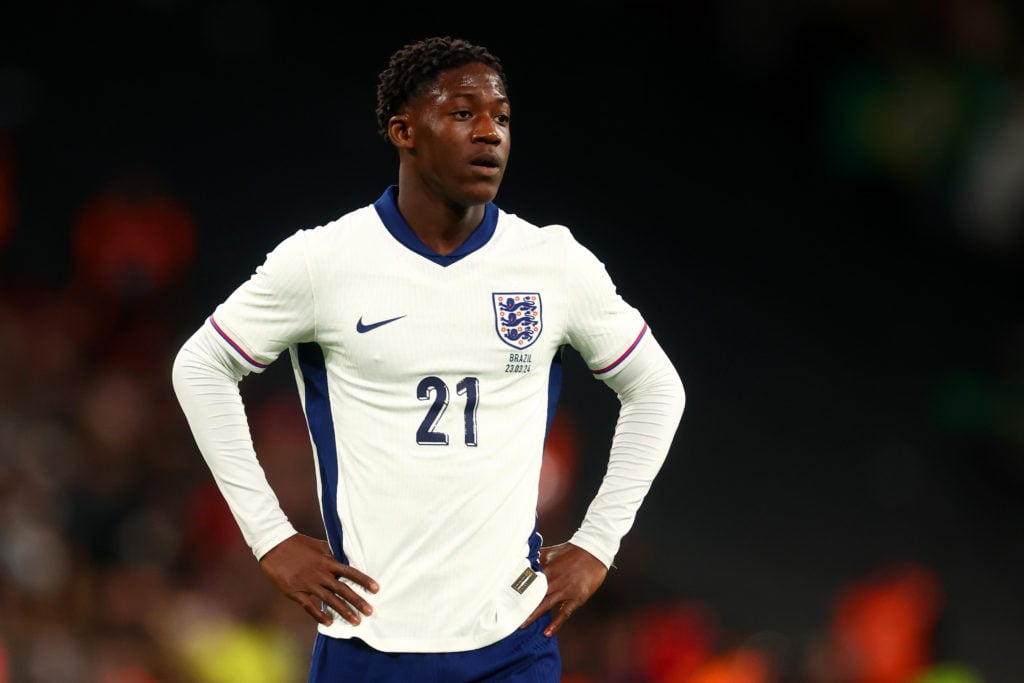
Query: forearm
{"x": 205, "y": 380}
{"x": 652, "y": 399}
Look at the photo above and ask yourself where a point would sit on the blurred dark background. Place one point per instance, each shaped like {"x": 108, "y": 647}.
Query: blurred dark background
{"x": 819, "y": 207}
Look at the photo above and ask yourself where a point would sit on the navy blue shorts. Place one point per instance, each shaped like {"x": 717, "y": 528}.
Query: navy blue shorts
{"x": 525, "y": 656}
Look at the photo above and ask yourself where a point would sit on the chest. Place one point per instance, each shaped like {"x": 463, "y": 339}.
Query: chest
{"x": 484, "y": 319}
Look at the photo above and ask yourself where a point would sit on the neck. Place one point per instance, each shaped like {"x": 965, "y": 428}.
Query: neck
{"x": 441, "y": 225}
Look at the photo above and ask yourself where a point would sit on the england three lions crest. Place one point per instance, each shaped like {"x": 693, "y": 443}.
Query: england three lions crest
{"x": 517, "y": 317}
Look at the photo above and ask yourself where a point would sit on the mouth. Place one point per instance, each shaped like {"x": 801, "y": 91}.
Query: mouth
{"x": 487, "y": 164}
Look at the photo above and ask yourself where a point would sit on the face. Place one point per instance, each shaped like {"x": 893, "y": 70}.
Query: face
{"x": 458, "y": 135}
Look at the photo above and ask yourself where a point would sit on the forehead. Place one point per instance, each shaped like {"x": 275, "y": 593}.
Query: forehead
{"x": 474, "y": 79}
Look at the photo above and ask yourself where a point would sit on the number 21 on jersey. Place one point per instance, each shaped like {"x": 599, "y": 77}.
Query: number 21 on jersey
{"x": 434, "y": 389}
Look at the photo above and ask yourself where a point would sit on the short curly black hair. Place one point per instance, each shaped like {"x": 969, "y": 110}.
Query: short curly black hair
{"x": 414, "y": 67}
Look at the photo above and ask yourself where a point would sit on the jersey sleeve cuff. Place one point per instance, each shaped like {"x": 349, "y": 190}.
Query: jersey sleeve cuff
{"x": 601, "y": 551}
{"x": 272, "y": 539}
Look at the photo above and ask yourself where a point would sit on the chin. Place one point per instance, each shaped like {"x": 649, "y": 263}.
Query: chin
{"x": 480, "y": 193}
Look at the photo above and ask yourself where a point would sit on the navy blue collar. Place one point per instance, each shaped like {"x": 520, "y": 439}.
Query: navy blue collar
{"x": 387, "y": 209}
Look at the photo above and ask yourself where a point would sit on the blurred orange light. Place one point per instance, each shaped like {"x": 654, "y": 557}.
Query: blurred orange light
{"x": 133, "y": 239}
{"x": 882, "y": 625}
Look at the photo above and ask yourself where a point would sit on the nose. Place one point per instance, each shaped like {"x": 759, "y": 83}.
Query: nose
{"x": 486, "y": 131}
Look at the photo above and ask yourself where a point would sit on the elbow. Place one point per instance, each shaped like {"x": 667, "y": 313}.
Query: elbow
{"x": 179, "y": 369}
{"x": 200, "y": 362}
{"x": 677, "y": 396}
{"x": 680, "y": 391}
{"x": 193, "y": 362}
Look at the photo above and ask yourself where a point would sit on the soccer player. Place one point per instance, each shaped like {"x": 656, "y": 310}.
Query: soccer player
{"x": 425, "y": 331}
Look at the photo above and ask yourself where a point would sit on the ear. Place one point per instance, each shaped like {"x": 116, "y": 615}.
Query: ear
{"x": 399, "y": 131}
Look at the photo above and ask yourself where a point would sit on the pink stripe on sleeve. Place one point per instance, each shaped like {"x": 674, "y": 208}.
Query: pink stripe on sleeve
{"x": 628, "y": 351}
{"x": 238, "y": 348}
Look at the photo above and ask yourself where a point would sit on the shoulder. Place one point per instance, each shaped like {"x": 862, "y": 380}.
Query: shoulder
{"x": 557, "y": 242}
{"x": 552, "y": 235}
{"x": 318, "y": 239}
{"x": 345, "y": 226}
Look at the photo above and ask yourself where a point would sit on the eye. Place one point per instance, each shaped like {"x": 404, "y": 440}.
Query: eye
{"x": 462, "y": 114}
{"x": 503, "y": 119}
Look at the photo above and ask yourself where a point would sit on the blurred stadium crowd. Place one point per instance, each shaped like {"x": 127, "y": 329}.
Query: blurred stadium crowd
{"x": 119, "y": 563}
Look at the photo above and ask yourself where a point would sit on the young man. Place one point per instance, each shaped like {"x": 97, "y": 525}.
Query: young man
{"x": 425, "y": 332}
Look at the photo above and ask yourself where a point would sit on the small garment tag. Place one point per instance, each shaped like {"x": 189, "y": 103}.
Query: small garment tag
{"x": 523, "y": 582}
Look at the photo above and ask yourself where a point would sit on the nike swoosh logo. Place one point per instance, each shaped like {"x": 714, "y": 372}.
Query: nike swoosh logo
{"x": 363, "y": 327}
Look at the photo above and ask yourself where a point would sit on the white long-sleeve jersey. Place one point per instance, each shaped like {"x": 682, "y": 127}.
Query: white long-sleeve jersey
{"x": 429, "y": 383}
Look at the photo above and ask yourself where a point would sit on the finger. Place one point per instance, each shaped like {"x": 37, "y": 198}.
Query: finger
{"x": 352, "y": 598}
{"x": 545, "y": 605}
{"x": 313, "y": 609}
{"x": 343, "y": 609}
{"x": 532, "y": 618}
{"x": 344, "y": 571}
{"x": 562, "y": 615}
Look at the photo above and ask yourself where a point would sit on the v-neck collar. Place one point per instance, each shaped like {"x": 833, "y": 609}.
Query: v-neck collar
{"x": 387, "y": 208}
